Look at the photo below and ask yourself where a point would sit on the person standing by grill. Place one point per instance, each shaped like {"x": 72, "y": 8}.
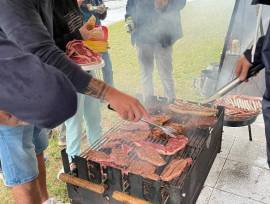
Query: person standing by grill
{"x": 29, "y": 24}
{"x": 261, "y": 56}
{"x": 97, "y": 8}
{"x": 155, "y": 26}
{"x": 68, "y": 26}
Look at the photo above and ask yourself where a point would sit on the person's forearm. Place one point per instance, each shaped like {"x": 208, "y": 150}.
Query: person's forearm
{"x": 97, "y": 88}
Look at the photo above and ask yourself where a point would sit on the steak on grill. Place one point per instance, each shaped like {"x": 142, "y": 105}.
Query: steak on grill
{"x": 150, "y": 155}
{"x": 173, "y": 145}
{"x": 144, "y": 169}
{"x": 175, "y": 168}
{"x": 120, "y": 157}
{"x": 130, "y": 136}
{"x": 98, "y": 156}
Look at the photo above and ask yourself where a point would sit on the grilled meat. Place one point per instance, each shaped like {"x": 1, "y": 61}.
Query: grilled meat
{"x": 173, "y": 145}
{"x": 112, "y": 144}
{"x": 176, "y": 126}
{"x": 150, "y": 155}
{"x": 120, "y": 157}
{"x": 240, "y": 107}
{"x": 175, "y": 169}
{"x": 144, "y": 169}
{"x": 201, "y": 122}
{"x": 160, "y": 119}
{"x": 127, "y": 136}
{"x": 183, "y": 107}
{"x": 99, "y": 157}
{"x": 132, "y": 126}
{"x": 158, "y": 133}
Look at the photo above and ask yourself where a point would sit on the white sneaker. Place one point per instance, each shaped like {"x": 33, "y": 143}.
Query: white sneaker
{"x": 60, "y": 172}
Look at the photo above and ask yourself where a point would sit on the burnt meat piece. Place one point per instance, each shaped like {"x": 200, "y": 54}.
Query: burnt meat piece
{"x": 158, "y": 133}
{"x": 150, "y": 155}
{"x": 175, "y": 168}
{"x": 173, "y": 145}
{"x": 160, "y": 119}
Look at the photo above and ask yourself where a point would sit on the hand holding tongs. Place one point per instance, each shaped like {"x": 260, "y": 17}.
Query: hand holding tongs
{"x": 167, "y": 130}
{"x": 234, "y": 83}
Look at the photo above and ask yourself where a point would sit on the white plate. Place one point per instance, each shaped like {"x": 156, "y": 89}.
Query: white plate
{"x": 92, "y": 67}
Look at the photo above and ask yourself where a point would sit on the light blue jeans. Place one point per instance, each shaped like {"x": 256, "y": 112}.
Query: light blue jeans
{"x": 107, "y": 69}
{"x": 89, "y": 110}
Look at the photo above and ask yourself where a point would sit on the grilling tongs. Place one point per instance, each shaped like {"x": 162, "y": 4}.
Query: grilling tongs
{"x": 234, "y": 83}
{"x": 167, "y": 130}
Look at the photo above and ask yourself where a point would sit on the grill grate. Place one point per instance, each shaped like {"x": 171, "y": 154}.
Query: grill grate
{"x": 204, "y": 144}
{"x": 197, "y": 137}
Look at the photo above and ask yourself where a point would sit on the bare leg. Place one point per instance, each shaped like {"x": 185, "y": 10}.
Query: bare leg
{"x": 27, "y": 193}
{"x": 42, "y": 178}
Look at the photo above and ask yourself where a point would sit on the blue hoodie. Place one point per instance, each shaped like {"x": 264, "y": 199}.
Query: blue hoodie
{"x": 31, "y": 90}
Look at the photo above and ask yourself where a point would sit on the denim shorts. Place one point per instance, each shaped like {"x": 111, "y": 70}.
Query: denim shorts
{"x": 18, "y": 149}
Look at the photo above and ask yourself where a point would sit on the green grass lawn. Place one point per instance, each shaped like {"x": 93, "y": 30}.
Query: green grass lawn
{"x": 204, "y": 25}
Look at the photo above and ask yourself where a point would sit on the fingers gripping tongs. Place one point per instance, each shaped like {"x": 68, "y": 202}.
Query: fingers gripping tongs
{"x": 167, "y": 130}
{"x": 234, "y": 83}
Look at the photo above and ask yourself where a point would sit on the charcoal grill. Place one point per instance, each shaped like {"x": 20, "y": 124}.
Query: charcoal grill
{"x": 98, "y": 185}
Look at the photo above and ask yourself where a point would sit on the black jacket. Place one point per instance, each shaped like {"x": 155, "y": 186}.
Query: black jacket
{"x": 67, "y": 20}
{"x": 29, "y": 23}
{"x": 31, "y": 90}
{"x": 262, "y": 56}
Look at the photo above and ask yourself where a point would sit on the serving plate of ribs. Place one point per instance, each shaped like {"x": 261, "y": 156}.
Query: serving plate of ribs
{"x": 240, "y": 107}
{"x": 137, "y": 148}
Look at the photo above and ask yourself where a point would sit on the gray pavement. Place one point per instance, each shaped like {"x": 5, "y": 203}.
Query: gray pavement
{"x": 240, "y": 174}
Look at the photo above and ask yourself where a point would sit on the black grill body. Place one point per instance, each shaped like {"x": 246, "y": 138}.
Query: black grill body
{"x": 204, "y": 146}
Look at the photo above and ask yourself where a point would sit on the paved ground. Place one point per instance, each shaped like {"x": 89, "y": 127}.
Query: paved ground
{"x": 240, "y": 174}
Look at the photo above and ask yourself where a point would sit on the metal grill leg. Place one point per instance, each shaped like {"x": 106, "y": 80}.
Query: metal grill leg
{"x": 249, "y": 132}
